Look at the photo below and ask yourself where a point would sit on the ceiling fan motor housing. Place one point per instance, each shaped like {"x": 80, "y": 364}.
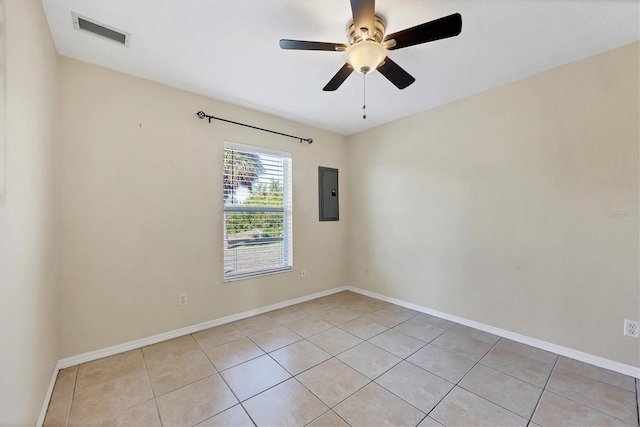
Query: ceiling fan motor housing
{"x": 376, "y": 34}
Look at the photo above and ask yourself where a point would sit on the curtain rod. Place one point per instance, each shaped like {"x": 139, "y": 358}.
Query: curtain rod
{"x": 202, "y": 115}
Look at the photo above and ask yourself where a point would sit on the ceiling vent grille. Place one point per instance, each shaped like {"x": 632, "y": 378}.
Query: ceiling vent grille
{"x": 103, "y": 31}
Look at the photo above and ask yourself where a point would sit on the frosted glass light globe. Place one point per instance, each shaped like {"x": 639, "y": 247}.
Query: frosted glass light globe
{"x": 365, "y": 56}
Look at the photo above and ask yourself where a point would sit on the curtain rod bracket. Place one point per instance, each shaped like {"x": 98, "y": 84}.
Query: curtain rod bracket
{"x": 202, "y": 115}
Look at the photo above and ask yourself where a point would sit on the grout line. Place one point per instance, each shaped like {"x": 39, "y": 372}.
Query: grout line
{"x": 637, "y": 381}
{"x": 544, "y": 389}
{"x": 578, "y": 402}
{"x": 463, "y": 377}
{"x": 626, "y": 423}
{"x": 592, "y": 378}
{"x": 73, "y": 394}
{"x": 153, "y": 392}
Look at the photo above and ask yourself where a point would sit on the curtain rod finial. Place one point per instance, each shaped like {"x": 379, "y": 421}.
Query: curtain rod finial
{"x": 201, "y": 114}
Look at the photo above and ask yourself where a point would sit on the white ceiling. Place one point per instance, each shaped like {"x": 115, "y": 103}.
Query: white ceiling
{"x": 228, "y": 50}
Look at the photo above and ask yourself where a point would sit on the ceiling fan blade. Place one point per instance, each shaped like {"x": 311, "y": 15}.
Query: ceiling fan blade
{"x": 306, "y": 45}
{"x": 339, "y": 78}
{"x": 448, "y": 26}
{"x": 395, "y": 74}
{"x": 364, "y": 14}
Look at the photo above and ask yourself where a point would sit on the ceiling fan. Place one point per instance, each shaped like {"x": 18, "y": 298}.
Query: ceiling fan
{"x": 368, "y": 45}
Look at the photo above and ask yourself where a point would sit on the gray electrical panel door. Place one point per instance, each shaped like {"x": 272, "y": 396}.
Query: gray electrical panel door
{"x": 328, "y": 194}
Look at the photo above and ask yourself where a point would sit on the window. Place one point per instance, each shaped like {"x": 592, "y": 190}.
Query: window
{"x": 257, "y": 211}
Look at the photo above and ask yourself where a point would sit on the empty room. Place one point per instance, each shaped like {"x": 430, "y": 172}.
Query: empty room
{"x": 319, "y": 213}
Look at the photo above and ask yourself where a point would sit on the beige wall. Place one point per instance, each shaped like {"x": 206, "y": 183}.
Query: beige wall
{"x": 517, "y": 207}
{"x": 28, "y": 310}
{"x": 141, "y": 209}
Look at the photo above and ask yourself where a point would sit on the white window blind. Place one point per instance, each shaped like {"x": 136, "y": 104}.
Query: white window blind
{"x": 257, "y": 211}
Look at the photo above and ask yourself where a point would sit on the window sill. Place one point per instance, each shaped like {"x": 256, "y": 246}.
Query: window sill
{"x": 235, "y": 278}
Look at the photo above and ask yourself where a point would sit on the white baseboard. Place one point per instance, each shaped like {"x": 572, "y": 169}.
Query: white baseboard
{"x": 132, "y": 345}
{"x": 47, "y": 397}
{"x": 554, "y": 348}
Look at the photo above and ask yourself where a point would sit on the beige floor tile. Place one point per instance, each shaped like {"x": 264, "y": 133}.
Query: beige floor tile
{"x": 435, "y": 321}
{"x": 166, "y": 351}
{"x": 58, "y": 412}
{"x": 218, "y": 335}
{"x": 420, "y": 330}
{"x": 344, "y": 298}
{"x": 95, "y": 402}
{"x": 511, "y": 393}
{"x": 403, "y": 310}
{"x": 180, "y": 372}
{"x": 309, "y": 326}
{"x": 335, "y": 341}
{"x": 256, "y": 324}
{"x": 597, "y": 373}
{"x": 555, "y": 410}
{"x": 462, "y": 345}
{"x": 196, "y": 402}
{"x": 374, "y": 304}
{"x": 363, "y": 328}
{"x": 397, "y": 343}
{"x": 287, "y": 314}
{"x": 527, "y": 350}
{"x": 362, "y": 308}
{"x": 109, "y": 368}
{"x": 328, "y": 419}
{"x": 604, "y": 397}
{"x": 254, "y": 376}
{"x": 415, "y": 385}
{"x": 142, "y": 415}
{"x": 337, "y": 316}
{"x": 233, "y": 353}
{"x": 369, "y": 360}
{"x": 232, "y": 417}
{"x": 65, "y": 383}
{"x": 477, "y": 334}
{"x": 300, "y": 356}
{"x": 517, "y": 365}
{"x": 375, "y": 406}
{"x": 441, "y": 362}
{"x": 429, "y": 422}
{"x": 316, "y": 306}
{"x": 462, "y": 408}
{"x": 333, "y": 381}
{"x": 275, "y": 338}
{"x": 386, "y": 318}
{"x": 287, "y": 404}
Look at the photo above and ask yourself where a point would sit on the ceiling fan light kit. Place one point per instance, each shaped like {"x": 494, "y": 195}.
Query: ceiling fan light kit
{"x": 368, "y": 46}
{"x": 365, "y": 56}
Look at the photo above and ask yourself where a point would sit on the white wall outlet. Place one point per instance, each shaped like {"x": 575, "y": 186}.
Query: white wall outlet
{"x": 182, "y": 299}
{"x": 367, "y": 272}
{"x": 631, "y": 328}
{"x": 303, "y": 273}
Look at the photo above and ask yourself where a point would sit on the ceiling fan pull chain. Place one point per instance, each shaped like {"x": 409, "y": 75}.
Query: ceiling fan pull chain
{"x": 364, "y": 96}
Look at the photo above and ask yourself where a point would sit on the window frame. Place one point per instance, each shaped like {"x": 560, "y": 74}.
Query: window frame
{"x": 287, "y": 210}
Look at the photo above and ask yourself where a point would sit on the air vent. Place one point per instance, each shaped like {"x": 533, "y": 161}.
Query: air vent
{"x": 101, "y": 30}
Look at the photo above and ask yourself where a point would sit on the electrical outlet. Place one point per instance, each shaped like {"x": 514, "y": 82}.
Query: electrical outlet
{"x": 182, "y": 299}
{"x": 367, "y": 272}
{"x": 303, "y": 273}
{"x": 631, "y": 328}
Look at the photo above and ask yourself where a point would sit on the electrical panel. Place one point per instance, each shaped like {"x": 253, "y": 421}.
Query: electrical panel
{"x": 328, "y": 194}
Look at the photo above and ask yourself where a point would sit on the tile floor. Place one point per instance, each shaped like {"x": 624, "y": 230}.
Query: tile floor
{"x": 339, "y": 360}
